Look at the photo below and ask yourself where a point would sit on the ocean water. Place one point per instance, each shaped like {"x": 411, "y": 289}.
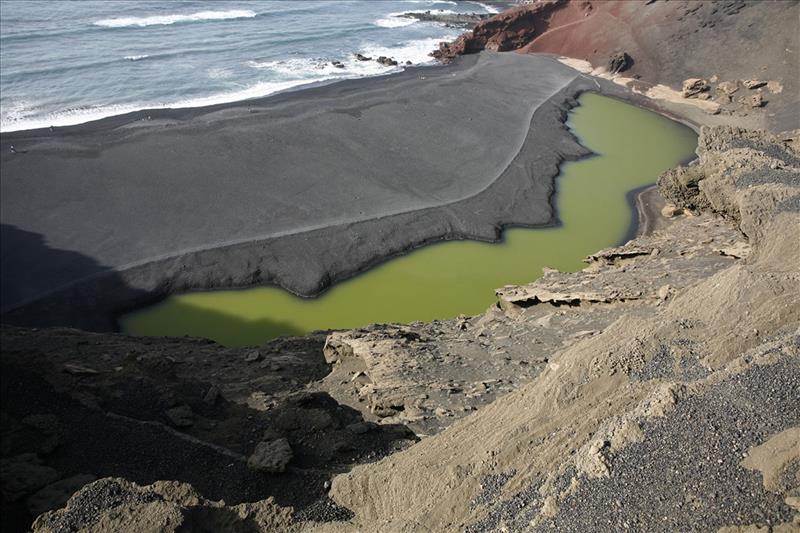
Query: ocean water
{"x": 69, "y": 62}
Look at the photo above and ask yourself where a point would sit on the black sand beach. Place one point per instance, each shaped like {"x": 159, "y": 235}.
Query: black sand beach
{"x": 262, "y": 191}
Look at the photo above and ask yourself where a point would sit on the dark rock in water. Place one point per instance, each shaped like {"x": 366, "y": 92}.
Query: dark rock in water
{"x": 362, "y": 57}
{"x": 619, "y": 62}
{"x": 388, "y": 61}
{"x": 337, "y": 64}
{"x": 409, "y": 63}
{"x": 450, "y": 20}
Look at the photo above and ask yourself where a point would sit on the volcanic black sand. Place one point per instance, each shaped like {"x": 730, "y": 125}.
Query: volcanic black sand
{"x": 297, "y": 189}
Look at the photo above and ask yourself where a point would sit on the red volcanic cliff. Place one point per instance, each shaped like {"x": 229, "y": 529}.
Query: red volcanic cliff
{"x": 505, "y": 31}
{"x": 658, "y": 41}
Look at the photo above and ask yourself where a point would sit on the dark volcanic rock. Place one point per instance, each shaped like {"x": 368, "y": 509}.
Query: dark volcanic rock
{"x": 619, "y": 62}
{"x": 505, "y": 31}
{"x": 449, "y": 19}
{"x": 388, "y": 61}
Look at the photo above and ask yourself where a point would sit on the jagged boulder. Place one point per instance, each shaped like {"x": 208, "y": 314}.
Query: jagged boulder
{"x": 619, "y": 62}
{"x": 271, "y": 456}
{"x": 505, "y": 31}
{"x": 692, "y": 87}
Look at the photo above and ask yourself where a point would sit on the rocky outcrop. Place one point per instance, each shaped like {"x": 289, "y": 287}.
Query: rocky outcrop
{"x": 745, "y": 176}
{"x": 619, "y": 62}
{"x": 505, "y": 31}
{"x": 694, "y": 87}
{"x": 448, "y": 19}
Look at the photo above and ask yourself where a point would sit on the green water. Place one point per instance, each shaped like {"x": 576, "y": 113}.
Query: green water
{"x": 447, "y": 279}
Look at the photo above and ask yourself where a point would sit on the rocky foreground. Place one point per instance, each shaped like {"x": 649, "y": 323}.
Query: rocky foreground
{"x": 658, "y": 389}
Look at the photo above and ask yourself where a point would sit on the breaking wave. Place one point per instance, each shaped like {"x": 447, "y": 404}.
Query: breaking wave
{"x": 172, "y": 19}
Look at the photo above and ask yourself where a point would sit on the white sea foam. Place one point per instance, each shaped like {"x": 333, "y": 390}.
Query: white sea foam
{"x": 394, "y": 22}
{"x": 219, "y": 73}
{"x": 417, "y": 51}
{"x": 172, "y": 19}
{"x": 136, "y": 58}
{"x": 23, "y": 115}
{"x": 397, "y": 20}
{"x": 488, "y": 8}
{"x": 69, "y": 117}
{"x": 451, "y": 2}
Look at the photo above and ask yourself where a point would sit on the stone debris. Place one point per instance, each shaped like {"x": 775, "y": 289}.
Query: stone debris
{"x": 693, "y": 87}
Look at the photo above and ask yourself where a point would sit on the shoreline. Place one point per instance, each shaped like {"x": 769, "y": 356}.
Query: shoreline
{"x": 149, "y": 282}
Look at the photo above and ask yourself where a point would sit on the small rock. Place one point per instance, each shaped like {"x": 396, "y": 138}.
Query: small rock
{"x": 337, "y": 64}
{"x": 361, "y": 57}
{"x": 252, "y": 356}
{"x": 694, "y": 86}
{"x": 756, "y": 100}
{"x": 260, "y": 401}
{"x": 753, "y": 84}
{"x": 272, "y": 456}
{"x": 181, "y": 416}
{"x": 671, "y": 210}
{"x": 387, "y": 61}
{"x": 663, "y": 292}
{"x": 728, "y": 87}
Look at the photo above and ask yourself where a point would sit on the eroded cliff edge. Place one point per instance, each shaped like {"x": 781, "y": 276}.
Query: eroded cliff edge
{"x": 657, "y": 389}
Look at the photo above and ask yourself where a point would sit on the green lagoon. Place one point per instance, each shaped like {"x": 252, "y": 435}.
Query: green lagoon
{"x": 458, "y": 277}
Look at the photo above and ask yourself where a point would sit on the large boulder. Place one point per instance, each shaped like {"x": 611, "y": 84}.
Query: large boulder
{"x": 619, "y": 62}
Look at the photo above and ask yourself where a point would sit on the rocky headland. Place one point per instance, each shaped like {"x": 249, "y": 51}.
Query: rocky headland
{"x": 655, "y": 390}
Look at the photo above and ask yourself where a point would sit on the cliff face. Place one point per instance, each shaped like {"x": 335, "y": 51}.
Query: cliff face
{"x": 664, "y": 42}
{"x": 656, "y": 390}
